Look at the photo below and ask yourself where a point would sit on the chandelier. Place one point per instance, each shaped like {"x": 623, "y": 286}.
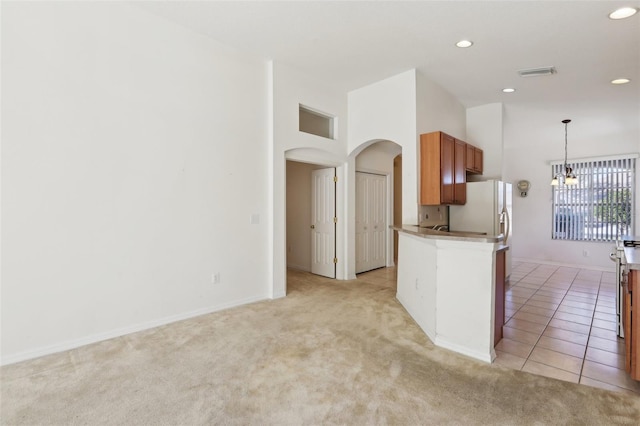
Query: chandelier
{"x": 568, "y": 177}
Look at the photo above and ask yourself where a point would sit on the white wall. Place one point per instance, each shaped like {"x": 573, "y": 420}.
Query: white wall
{"x": 129, "y": 175}
{"x": 484, "y": 130}
{"x": 533, "y": 136}
{"x": 291, "y": 88}
{"x": 438, "y": 110}
{"x": 378, "y": 158}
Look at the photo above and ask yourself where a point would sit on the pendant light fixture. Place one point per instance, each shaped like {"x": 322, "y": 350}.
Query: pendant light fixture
{"x": 568, "y": 177}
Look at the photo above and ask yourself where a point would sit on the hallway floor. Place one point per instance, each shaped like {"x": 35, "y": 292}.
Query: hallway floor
{"x": 560, "y": 323}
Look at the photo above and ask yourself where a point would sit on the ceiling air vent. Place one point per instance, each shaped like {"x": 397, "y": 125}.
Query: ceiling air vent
{"x": 534, "y": 72}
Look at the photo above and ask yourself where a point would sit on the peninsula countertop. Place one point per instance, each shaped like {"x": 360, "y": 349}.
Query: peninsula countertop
{"x": 448, "y": 235}
{"x": 632, "y": 256}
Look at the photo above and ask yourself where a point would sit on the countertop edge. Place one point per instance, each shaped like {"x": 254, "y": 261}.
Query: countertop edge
{"x": 452, "y": 236}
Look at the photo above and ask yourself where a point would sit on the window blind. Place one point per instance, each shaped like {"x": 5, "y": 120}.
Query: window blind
{"x": 601, "y": 206}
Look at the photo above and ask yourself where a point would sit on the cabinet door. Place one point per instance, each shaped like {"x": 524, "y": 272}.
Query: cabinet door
{"x": 447, "y": 169}
{"x": 470, "y": 158}
{"x": 477, "y": 160}
{"x": 460, "y": 173}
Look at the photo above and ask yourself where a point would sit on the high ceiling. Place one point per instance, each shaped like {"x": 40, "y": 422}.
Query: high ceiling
{"x": 352, "y": 44}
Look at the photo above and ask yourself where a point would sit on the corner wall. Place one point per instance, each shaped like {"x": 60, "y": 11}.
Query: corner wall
{"x": 129, "y": 175}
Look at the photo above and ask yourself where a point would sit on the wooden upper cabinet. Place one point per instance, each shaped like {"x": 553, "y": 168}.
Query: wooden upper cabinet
{"x": 442, "y": 169}
{"x": 460, "y": 176}
{"x": 474, "y": 159}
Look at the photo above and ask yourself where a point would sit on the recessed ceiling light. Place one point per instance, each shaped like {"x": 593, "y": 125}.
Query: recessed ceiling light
{"x": 623, "y": 12}
{"x": 464, "y": 43}
{"x": 620, "y": 81}
{"x": 508, "y": 90}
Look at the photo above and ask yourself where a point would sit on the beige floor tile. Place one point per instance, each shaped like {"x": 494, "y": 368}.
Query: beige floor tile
{"x": 607, "y": 345}
{"x": 538, "y": 311}
{"x": 508, "y": 360}
{"x": 540, "y": 304}
{"x": 604, "y": 334}
{"x": 602, "y": 385}
{"x": 515, "y": 299}
{"x": 575, "y": 311}
{"x": 605, "y": 309}
{"x": 529, "y": 326}
{"x": 562, "y": 346}
{"x": 607, "y": 325}
{"x": 569, "y": 336}
{"x": 522, "y": 292}
{"x": 586, "y": 292}
{"x": 533, "y": 280}
{"x": 610, "y": 375}
{"x": 568, "y": 325}
{"x": 520, "y": 335}
{"x": 573, "y": 318}
{"x": 543, "y": 298}
{"x": 528, "y": 316}
{"x": 604, "y": 316}
{"x": 607, "y": 303}
{"x": 530, "y": 286}
{"x": 605, "y": 357}
{"x": 547, "y": 371}
{"x": 581, "y": 305}
{"x": 556, "y": 359}
{"x": 514, "y": 348}
{"x": 582, "y": 295}
{"x": 551, "y": 292}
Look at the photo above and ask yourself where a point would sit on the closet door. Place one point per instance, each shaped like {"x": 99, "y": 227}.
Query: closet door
{"x": 371, "y": 221}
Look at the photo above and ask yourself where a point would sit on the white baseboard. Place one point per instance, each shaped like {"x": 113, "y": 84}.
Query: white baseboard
{"x": 94, "y": 338}
{"x": 482, "y": 356}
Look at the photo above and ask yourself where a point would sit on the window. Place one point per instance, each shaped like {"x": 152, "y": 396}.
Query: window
{"x": 316, "y": 122}
{"x": 601, "y": 206}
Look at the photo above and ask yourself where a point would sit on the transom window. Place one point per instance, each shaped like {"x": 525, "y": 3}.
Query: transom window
{"x": 601, "y": 206}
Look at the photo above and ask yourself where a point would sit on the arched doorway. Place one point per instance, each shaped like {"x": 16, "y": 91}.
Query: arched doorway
{"x": 377, "y": 204}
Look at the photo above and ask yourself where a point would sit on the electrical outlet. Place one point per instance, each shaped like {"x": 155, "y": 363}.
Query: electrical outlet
{"x": 215, "y": 278}
{"x": 585, "y": 253}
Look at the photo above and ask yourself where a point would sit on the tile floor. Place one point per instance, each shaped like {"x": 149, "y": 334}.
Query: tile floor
{"x": 560, "y": 322}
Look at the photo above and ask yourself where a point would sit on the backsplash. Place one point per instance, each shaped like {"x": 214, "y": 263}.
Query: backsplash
{"x": 433, "y": 215}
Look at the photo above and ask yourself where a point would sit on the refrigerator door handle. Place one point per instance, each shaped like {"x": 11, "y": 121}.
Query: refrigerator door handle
{"x": 507, "y": 225}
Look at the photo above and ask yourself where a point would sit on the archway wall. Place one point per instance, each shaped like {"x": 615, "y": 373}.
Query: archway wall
{"x": 399, "y": 109}
{"x": 288, "y": 89}
{"x": 387, "y": 110}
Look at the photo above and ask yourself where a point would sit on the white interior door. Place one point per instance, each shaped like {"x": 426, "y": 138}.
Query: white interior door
{"x": 323, "y": 222}
{"x": 370, "y": 221}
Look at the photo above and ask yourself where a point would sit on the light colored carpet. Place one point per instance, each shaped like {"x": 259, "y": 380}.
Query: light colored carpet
{"x": 331, "y": 352}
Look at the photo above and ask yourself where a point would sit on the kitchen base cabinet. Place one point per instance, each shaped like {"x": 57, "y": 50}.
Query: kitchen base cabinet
{"x": 631, "y": 324}
{"x": 500, "y": 296}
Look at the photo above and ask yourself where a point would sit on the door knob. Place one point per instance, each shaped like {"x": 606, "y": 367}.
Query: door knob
{"x": 313, "y": 227}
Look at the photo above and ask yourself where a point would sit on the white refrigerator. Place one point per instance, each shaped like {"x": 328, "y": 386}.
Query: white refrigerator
{"x": 487, "y": 210}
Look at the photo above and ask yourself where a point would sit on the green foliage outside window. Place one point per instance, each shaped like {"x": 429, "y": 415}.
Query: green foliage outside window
{"x": 615, "y": 207}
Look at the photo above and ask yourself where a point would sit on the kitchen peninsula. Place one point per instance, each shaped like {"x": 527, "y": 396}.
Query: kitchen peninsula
{"x": 448, "y": 282}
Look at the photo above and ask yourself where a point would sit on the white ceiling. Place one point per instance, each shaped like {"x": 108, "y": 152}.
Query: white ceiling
{"x": 352, "y": 44}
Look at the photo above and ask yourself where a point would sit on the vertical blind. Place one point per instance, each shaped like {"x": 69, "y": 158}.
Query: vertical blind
{"x": 601, "y": 206}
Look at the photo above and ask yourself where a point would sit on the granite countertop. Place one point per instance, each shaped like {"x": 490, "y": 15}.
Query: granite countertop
{"x": 449, "y": 235}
